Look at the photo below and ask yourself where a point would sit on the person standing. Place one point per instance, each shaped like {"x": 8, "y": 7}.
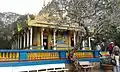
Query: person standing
{"x": 116, "y": 50}
{"x": 45, "y": 45}
{"x": 116, "y": 68}
{"x": 98, "y": 47}
{"x": 102, "y": 45}
{"x": 110, "y": 47}
{"x": 72, "y": 59}
{"x": 116, "y": 54}
{"x": 51, "y": 45}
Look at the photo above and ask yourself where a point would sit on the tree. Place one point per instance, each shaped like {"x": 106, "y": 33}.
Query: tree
{"x": 6, "y": 19}
{"x": 102, "y": 15}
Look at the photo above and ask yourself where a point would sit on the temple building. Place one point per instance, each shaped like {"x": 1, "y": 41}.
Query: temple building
{"x": 45, "y": 33}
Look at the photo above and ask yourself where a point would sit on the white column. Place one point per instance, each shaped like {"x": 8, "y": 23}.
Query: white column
{"x": 83, "y": 43}
{"x": 28, "y": 38}
{"x": 18, "y": 41}
{"x": 16, "y": 44}
{"x": 74, "y": 38}
{"x": 12, "y": 45}
{"x": 42, "y": 30}
{"x": 24, "y": 40}
{"x": 89, "y": 43}
{"x": 31, "y": 33}
{"x": 54, "y": 35}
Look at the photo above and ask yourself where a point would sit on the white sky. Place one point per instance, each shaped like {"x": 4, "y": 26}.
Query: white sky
{"x": 22, "y": 6}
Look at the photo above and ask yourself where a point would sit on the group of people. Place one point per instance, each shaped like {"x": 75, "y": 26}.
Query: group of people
{"x": 114, "y": 52}
{"x": 112, "y": 47}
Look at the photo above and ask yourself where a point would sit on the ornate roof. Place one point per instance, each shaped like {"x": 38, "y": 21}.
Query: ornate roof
{"x": 49, "y": 17}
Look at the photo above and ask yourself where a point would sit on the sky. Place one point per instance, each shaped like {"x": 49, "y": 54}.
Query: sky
{"x": 22, "y": 6}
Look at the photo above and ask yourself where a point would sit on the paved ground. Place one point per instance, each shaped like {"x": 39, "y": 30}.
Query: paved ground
{"x": 100, "y": 70}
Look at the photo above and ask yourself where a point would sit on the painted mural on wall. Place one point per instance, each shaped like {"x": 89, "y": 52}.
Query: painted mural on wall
{"x": 62, "y": 39}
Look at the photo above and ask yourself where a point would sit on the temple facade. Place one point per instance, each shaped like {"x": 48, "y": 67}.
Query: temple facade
{"x": 45, "y": 33}
{"x": 39, "y": 34}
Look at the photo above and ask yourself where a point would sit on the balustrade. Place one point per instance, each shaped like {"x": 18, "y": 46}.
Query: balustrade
{"x": 33, "y": 55}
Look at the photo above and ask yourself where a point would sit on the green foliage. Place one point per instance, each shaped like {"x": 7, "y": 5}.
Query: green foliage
{"x": 4, "y": 44}
{"x": 21, "y": 22}
{"x": 103, "y": 15}
{"x": 6, "y": 20}
{"x": 109, "y": 32}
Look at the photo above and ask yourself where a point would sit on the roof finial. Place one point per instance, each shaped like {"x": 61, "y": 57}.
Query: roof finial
{"x": 43, "y": 2}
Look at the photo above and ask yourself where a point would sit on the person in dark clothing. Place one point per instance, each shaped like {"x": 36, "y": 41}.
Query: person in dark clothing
{"x": 102, "y": 46}
{"x": 71, "y": 55}
{"x": 45, "y": 45}
{"x": 72, "y": 59}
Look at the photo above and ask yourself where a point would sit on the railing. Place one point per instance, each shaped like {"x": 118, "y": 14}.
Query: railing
{"x": 83, "y": 54}
{"x": 42, "y": 55}
{"x": 32, "y": 55}
{"x": 9, "y": 55}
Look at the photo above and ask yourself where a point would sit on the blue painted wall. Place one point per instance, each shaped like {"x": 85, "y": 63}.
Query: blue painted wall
{"x": 62, "y": 56}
